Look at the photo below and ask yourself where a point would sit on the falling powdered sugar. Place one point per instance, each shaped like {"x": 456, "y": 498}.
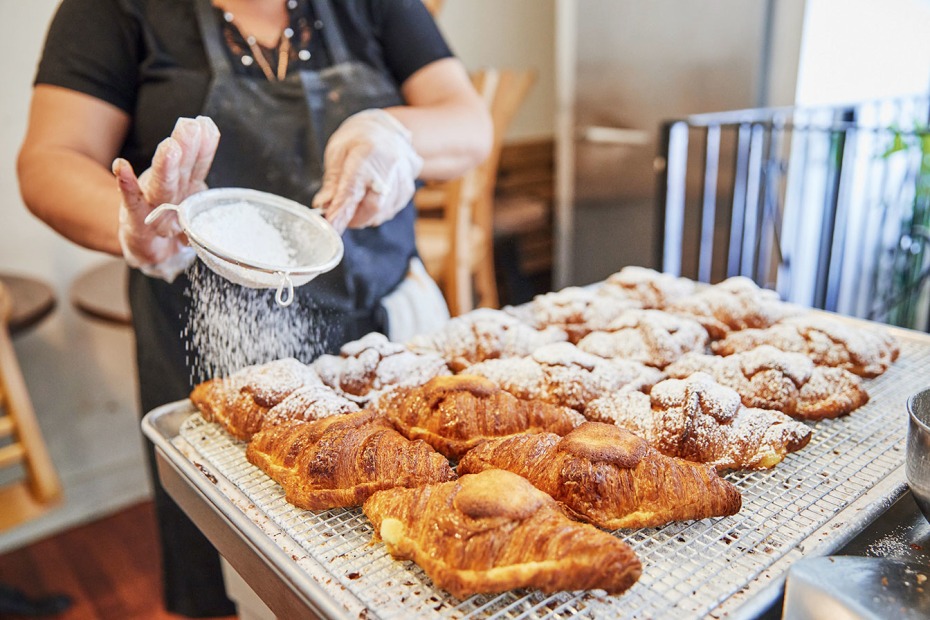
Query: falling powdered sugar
{"x": 230, "y": 327}
{"x": 240, "y": 230}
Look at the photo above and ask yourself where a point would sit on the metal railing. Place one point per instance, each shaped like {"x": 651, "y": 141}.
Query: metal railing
{"x": 828, "y": 206}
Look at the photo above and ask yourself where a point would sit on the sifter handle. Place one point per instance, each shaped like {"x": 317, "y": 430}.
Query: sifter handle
{"x": 285, "y": 294}
{"x": 159, "y": 210}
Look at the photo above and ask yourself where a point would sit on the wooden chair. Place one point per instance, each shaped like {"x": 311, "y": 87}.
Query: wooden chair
{"x": 455, "y": 223}
{"x": 434, "y": 6}
{"x": 21, "y": 443}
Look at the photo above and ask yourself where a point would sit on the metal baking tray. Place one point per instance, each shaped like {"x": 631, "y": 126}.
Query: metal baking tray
{"x": 323, "y": 563}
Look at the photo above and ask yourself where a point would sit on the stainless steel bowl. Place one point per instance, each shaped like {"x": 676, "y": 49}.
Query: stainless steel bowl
{"x": 918, "y": 449}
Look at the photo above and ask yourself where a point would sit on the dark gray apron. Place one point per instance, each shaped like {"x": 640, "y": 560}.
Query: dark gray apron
{"x": 272, "y": 139}
{"x": 273, "y": 136}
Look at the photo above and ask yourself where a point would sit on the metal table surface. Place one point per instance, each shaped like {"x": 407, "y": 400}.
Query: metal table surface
{"x": 817, "y": 502}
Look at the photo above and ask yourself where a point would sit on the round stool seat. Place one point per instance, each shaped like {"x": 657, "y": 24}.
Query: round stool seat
{"x": 29, "y": 300}
{"x": 102, "y": 292}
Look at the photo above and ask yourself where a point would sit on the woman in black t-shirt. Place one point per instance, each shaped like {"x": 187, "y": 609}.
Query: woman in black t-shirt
{"x": 339, "y": 104}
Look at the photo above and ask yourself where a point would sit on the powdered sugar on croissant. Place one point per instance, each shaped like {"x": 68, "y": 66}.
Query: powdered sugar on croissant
{"x": 867, "y": 352}
{"x": 484, "y": 334}
{"x": 769, "y": 378}
{"x": 651, "y": 337}
{"x": 700, "y": 420}
{"x": 563, "y": 374}
{"x": 371, "y": 364}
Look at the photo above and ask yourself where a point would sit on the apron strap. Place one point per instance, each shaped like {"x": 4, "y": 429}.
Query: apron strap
{"x": 332, "y": 34}
{"x": 216, "y": 51}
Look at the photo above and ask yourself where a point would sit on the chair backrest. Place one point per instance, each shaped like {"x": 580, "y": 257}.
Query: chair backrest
{"x": 434, "y": 6}
{"x": 504, "y": 91}
{"x": 21, "y": 442}
{"x": 466, "y": 204}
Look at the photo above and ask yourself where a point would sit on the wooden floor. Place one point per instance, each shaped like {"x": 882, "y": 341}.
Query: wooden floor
{"x": 110, "y": 568}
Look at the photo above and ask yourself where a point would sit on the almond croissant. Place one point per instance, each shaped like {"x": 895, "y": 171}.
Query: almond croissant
{"x": 734, "y": 304}
{"x": 342, "y": 460}
{"x": 768, "y": 378}
{"x": 563, "y": 374}
{"x": 483, "y": 334}
{"x": 652, "y": 288}
{"x": 454, "y": 414}
{"x": 608, "y": 476}
{"x": 492, "y": 532}
{"x": 578, "y": 311}
{"x": 372, "y": 364}
{"x": 700, "y": 420}
{"x": 827, "y": 341}
{"x": 651, "y": 337}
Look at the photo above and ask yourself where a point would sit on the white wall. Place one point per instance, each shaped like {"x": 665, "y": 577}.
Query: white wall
{"x": 80, "y": 373}
{"x": 509, "y": 34}
{"x": 855, "y": 50}
{"x": 785, "y": 49}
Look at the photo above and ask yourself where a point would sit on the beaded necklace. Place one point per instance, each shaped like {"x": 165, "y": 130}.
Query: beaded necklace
{"x": 293, "y": 44}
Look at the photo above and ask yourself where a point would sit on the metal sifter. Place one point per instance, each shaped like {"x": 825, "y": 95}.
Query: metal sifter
{"x": 257, "y": 239}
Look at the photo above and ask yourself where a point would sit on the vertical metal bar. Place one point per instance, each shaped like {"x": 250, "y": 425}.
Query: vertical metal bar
{"x": 676, "y": 170}
{"x": 661, "y": 169}
{"x": 860, "y": 248}
{"x": 878, "y": 283}
{"x": 765, "y": 57}
{"x": 792, "y": 213}
{"x": 565, "y": 82}
{"x": 770, "y": 229}
{"x": 805, "y": 282}
{"x": 751, "y": 221}
{"x": 738, "y": 212}
{"x": 824, "y": 297}
{"x": 709, "y": 208}
{"x": 841, "y": 217}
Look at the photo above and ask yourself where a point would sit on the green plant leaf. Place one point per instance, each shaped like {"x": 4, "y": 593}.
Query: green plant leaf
{"x": 897, "y": 144}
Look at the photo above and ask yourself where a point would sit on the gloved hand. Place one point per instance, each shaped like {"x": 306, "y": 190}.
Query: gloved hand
{"x": 179, "y": 169}
{"x": 369, "y": 169}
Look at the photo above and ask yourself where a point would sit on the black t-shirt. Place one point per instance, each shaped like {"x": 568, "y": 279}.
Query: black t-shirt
{"x": 113, "y": 49}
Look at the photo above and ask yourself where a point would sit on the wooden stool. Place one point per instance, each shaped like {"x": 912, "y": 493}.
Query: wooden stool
{"x": 21, "y": 442}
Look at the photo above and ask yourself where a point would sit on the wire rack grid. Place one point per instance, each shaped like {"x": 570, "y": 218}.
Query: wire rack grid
{"x": 690, "y": 570}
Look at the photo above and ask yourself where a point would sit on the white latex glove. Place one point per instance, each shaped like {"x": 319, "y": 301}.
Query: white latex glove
{"x": 369, "y": 169}
{"x": 179, "y": 169}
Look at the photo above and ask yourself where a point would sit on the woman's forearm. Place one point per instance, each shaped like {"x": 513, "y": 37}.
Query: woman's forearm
{"x": 451, "y": 139}
{"x": 73, "y": 194}
{"x": 64, "y": 165}
{"x": 450, "y": 123}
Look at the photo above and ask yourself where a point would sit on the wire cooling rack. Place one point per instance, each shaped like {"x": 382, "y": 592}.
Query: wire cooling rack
{"x": 690, "y": 570}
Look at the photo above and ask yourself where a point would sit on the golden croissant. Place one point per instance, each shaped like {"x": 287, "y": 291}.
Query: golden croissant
{"x": 492, "y": 532}
{"x": 455, "y": 413}
{"x": 608, "y": 476}
{"x": 342, "y": 460}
